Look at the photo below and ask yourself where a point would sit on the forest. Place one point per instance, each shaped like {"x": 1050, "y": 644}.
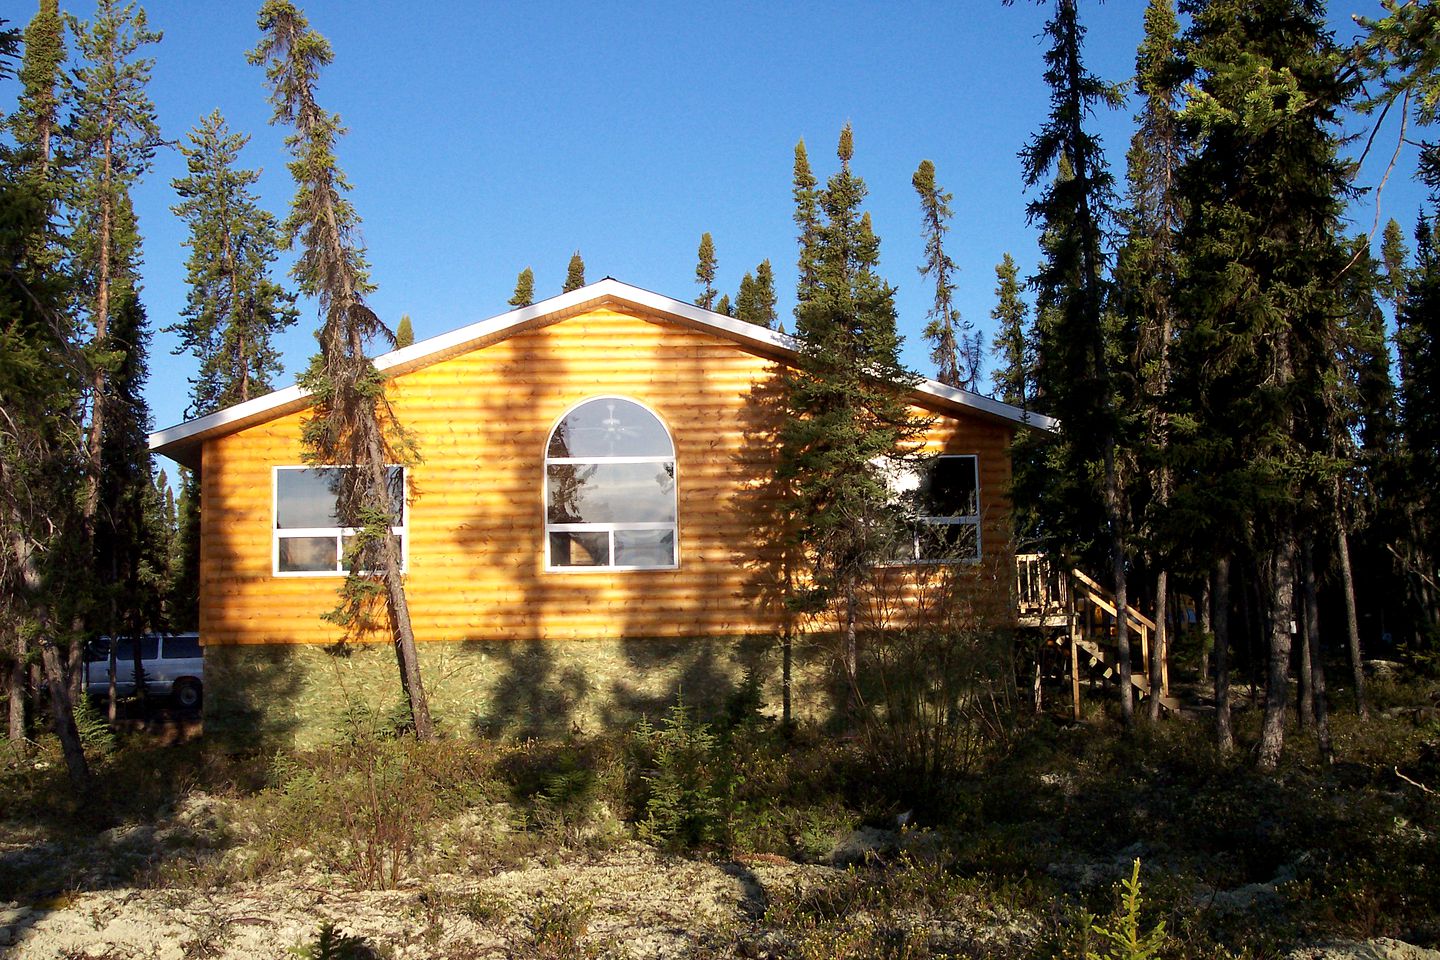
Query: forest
{"x": 1245, "y": 389}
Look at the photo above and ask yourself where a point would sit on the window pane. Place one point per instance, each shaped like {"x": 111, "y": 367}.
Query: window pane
{"x": 644, "y": 548}
{"x": 97, "y": 651}
{"x": 373, "y": 563}
{"x": 610, "y": 428}
{"x": 611, "y": 492}
{"x": 181, "y": 647}
{"x": 124, "y": 649}
{"x": 949, "y": 541}
{"x": 307, "y": 553}
{"x": 579, "y": 549}
{"x": 394, "y": 480}
{"x": 149, "y": 648}
{"x": 948, "y": 488}
{"x": 306, "y": 498}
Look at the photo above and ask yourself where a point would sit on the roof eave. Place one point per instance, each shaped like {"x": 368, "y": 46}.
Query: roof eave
{"x": 182, "y": 442}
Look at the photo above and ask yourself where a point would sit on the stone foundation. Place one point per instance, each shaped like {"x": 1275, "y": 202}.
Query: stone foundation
{"x": 300, "y": 695}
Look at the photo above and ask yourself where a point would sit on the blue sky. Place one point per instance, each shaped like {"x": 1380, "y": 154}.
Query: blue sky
{"x": 487, "y": 137}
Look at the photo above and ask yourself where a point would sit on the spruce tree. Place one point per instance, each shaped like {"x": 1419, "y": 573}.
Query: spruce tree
{"x": 1075, "y": 377}
{"x": 807, "y": 221}
{"x": 574, "y": 274}
{"x": 756, "y": 300}
{"x": 1419, "y": 357}
{"x": 112, "y": 138}
{"x": 847, "y": 406}
{"x": 1148, "y": 269}
{"x": 233, "y": 309}
{"x": 705, "y": 272}
{"x": 129, "y": 545}
{"x": 954, "y": 351}
{"x": 44, "y": 569}
{"x": 37, "y": 181}
{"x": 1264, "y": 189}
{"x": 404, "y": 332}
{"x": 724, "y": 307}
{"x": 524, "y": 294}
{"x": 351, "y": 421}
{"x": 1014, "y": 378}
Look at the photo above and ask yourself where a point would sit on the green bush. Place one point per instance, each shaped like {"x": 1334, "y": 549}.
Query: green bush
{"x": 687, "y": 790}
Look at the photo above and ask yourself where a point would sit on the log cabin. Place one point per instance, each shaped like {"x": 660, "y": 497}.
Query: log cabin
{"x": 588, "y": 529}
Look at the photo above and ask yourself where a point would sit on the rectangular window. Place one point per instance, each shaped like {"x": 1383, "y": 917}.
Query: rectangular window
{"x": 941, "y": 502}
{"x": 310, "y": 536}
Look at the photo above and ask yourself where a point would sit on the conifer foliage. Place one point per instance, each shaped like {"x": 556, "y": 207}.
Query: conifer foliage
{"x": 705, "y": 272}
{"x": 956, "y": 351}
{"x": 755, "y": 302}
{"x": 351, "y": 421}
{"x": 574, "y": 274}
{"x": 1014, "y": 378}
{"x": 847, "y": 398}
{"x": 524, "y": 294}
{"x": 233, "y": 309}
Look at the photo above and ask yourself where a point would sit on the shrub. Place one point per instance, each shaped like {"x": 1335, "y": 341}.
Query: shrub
{"x": 686, "y": 797}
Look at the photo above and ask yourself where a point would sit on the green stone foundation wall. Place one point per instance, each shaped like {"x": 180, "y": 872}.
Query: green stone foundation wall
{"x": 301, "y": 695}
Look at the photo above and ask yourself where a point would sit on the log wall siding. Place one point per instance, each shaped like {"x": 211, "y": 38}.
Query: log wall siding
{"x": 476, "y": 520}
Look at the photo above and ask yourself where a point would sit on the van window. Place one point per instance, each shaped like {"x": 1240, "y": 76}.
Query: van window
{"x": 149, "y": 648}
{"x": 182, "y": 647}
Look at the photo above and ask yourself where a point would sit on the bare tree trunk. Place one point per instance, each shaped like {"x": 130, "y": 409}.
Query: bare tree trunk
{"x": 15, "y": 688}
{"x": 1305, "y": 707}
{"x": 1224, "y": 734}
{"x": 1277, "y": 679}
{"x": 62, "y": 708}
{"x": 1158, "y": 648}
{"x": 1352, "y": 621}
{"x": 1206, "y": 628}
{"x": 1312, "y": 642}
{"x": 402, "y": 629}
{"x": 851, "y": 653}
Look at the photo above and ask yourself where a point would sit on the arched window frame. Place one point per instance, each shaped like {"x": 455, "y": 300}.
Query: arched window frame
{"x": 610, "y": 528}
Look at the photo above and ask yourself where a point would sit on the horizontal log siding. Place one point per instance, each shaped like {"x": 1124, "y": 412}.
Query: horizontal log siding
{"x": 476, "y": 520}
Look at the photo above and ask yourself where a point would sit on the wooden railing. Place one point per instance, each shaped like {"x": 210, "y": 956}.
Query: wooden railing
{"x": 1084, "y": 615}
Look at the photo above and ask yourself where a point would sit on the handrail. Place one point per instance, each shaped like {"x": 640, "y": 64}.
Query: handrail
{"x": 1095, "y": 587}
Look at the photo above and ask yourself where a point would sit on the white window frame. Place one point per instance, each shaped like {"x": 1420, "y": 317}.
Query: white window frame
{"x": 948, "y": 521}
{"x": 609, "y": 528}
{"x": 339, "y": 533}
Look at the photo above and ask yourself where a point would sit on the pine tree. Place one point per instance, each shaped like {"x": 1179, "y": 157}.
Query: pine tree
{"x": 954, "y": 350}
{"x": 724, "y": 307}
{"x": 351, "y": 420}
{"x": 705, "y": 272}
{"x": 574, "y": 274}
{"x": 847, "y": 400}
{"x": 404, "y": 332}
{"x": 525, "y": 288}
{"x": 1015, "y": 376}
{"x": 1075, "y": 379}
{"x": 1264, "y": 189}
{"x": 233, "y": 309}
{"x": 756, "y": 300}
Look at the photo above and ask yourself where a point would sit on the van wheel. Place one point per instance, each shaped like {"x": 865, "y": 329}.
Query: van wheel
{"x": 187, "y": 694}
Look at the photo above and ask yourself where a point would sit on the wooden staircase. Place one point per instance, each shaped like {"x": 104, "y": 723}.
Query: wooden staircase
{"x": 1080, "y": 615}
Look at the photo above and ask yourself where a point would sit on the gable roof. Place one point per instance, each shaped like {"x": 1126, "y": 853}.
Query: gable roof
{"x": 182, "y": 441}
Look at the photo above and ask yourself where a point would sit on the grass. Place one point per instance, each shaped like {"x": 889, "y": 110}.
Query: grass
{"x": 1026, "y": 860}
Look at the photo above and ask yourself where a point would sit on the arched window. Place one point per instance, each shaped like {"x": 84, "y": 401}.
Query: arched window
{"x": 610, "y": 489}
